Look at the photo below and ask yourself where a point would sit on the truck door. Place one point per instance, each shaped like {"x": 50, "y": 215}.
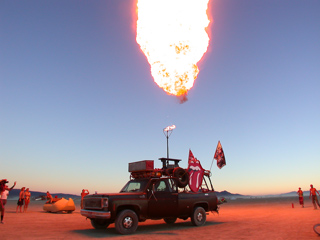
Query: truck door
{"x": 163, "y": 199}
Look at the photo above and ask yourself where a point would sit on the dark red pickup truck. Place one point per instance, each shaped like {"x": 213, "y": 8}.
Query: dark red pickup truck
{"x": 150, "y": 197}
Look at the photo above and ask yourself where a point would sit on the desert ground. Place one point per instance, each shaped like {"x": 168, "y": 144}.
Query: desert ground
{"x": 264, "y": 218}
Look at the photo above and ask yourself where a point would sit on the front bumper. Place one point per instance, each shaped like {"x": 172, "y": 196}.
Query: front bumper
{"x": 95, "y": 214}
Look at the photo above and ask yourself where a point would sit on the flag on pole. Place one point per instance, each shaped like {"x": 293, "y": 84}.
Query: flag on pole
{"x": 196, "y": 173}
{"x": 219, "y": 156}
{"x": 191, "y": 157}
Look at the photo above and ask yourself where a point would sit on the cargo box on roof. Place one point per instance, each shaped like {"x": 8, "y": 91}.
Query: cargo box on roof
{"x": 145, "y": 165}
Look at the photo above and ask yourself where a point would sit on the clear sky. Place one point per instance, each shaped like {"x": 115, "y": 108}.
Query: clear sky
{"x": 78, "y": 103}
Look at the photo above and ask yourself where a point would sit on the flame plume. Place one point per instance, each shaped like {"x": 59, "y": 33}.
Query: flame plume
{"x": 172, "y": 34}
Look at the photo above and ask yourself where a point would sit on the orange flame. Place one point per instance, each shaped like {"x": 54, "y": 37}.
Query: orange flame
{"x": 169, "y": 128}
{"x": 172, "y": 34}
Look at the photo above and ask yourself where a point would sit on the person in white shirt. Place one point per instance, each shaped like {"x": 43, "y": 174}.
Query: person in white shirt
{"x": 4, "y": 192}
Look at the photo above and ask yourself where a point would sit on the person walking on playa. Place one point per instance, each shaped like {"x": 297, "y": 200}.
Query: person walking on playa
{"x": 21, "y": 199}
{"x": 4, "y": 192}
{"x": 300, "y": 193}
{"x": 84, "y": 193}
{"x": 313, "y": 194}
{"x": 27, "y": 196}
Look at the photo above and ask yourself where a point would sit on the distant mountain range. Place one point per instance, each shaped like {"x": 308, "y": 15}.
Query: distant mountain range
{"x": 294, "y": 194}
{"x": 227, "y": 194}
{"x": 14, "y": 194}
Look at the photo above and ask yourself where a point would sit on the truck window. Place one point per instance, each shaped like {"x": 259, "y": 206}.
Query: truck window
{"x": 166, "y": 185}
{"x": 172, "y": 185}
{"x": 134, "y": 186}
{"x": 161, "y": 186}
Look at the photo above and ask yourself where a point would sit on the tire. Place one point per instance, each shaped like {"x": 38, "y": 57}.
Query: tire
{"x": 316, "y": 229}
{"x": 169, "y": 171}
{"x": 170, "y": 220}
{"x": 182, "y": 176}
{"x": 99, "y": 223}
{"x": 199, "y": 216}
{"x": 126, "y": 222}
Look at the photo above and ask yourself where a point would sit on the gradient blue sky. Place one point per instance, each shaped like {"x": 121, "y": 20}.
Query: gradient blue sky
{"x": 78, "y": 103}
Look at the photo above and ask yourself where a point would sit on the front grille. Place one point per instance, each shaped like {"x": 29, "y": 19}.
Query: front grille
{"x": 93, "y": 203}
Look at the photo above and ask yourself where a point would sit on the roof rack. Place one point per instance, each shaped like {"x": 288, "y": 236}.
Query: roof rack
{"x": 165, "y": 162}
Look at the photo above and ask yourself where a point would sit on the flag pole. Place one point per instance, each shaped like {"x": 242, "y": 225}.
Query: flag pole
{"x": 213, "y": 156}
{"x": 211, "y": 164}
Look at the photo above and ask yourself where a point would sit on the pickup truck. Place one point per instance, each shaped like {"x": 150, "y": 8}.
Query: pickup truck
{"x": 152, "y": 197}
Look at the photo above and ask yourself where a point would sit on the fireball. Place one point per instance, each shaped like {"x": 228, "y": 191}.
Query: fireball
{"x": 172, "y": 35}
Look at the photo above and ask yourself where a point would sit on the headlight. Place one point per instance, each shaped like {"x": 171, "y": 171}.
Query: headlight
{"x": 105, "y": 202}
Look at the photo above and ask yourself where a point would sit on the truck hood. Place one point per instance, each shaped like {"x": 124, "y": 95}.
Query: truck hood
{"x": 115, "y": 194}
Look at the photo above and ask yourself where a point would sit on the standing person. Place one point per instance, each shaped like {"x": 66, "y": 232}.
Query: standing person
{"x": 27, "y": 196}
{"x": 313, "y": 194}
{"x": 84, "y": 193}
{"x": 49, "y": 197}
{"x": 300, "y": 193}
{"x": 4, "y": 192}
{"x": 21, "y": 199}
{"x": 3, "y": 185}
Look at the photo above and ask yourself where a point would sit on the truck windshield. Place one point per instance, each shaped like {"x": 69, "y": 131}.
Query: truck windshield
{"x": 134, "y": 186}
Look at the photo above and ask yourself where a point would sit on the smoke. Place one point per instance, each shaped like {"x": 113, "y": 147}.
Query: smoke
{"x": 183, "y": 98}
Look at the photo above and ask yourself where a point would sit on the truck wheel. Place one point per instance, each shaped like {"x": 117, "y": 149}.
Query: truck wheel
{"x": 99, "y": 223}
{"x": 170, "y": 220}
{"x": 182, "y": 176}
{"x": 198, "y": 217}
{"x": 126, "y": 222}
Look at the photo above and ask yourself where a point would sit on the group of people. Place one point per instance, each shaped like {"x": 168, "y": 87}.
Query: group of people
{"x": 24, "y": 199}
{"x": 25, "y": 195}
{"x": 50, "y": 199}
{"x": 312, "y": 195}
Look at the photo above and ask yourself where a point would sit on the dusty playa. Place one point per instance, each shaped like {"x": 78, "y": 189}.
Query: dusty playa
{"x": 239, "y": 219}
